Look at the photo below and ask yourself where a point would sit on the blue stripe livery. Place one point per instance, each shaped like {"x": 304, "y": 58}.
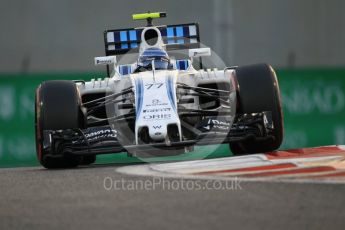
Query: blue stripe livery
{"x": 139, "y": 87}
{"x": 170, "y": 90}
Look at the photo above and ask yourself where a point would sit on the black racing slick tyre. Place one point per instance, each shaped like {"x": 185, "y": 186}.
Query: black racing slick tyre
{"x": 87, "y": 160}
{"x": 57, "y": 106}
{"x": 258, "y": 91}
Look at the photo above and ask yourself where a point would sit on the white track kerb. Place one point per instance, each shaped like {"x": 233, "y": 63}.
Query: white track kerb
{"x": 312, "y": 165}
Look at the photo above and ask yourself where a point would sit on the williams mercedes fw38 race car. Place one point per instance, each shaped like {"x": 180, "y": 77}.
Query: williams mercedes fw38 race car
{"x": 157, "y": 105}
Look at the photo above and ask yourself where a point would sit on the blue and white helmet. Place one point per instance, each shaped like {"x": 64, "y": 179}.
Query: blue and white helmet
{"x": 159, "y": 56}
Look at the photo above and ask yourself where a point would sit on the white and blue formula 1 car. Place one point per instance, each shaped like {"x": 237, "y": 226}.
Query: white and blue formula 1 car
{"x": 159, "y": 105}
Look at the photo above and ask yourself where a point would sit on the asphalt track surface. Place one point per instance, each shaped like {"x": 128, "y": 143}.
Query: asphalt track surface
{"x": 35, "y": 198}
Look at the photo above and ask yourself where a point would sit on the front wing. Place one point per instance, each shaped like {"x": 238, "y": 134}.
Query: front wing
{"x": 104, "y": 139}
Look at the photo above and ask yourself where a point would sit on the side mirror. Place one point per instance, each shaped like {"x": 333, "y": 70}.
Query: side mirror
{"x": 200, "y": 52}
{"x": 106, "y": 60}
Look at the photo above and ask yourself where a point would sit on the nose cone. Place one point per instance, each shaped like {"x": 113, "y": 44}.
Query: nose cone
{"x": 156, "y": 103}
{"x": 158, "y": 132}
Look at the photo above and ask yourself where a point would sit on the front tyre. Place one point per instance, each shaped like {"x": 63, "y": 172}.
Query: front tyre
{"x": 88, "y": 160}
{"x": 57, "y": 106}
{"x": 259, "y": 92}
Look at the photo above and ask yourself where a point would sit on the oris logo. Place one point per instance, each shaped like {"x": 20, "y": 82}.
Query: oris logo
{"x": 157, "y": 116}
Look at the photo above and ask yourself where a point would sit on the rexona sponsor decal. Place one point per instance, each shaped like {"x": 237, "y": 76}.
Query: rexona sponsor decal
{"x": 95, "y": 134}
{"x": 155, "y": 103}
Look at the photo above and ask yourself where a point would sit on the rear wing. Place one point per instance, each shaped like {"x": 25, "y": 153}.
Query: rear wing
{"x": 175, "y": 37}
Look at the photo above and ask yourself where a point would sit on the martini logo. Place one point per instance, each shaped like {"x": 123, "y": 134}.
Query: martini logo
{"x": 103, "y": 62}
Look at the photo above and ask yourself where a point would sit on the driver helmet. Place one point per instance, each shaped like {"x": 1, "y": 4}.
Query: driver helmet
{"x": 159, "y": 56}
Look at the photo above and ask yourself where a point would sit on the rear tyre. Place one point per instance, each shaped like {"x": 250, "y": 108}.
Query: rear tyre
{"x": 57, "y": 106}
{"x": 259, "y": 92}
